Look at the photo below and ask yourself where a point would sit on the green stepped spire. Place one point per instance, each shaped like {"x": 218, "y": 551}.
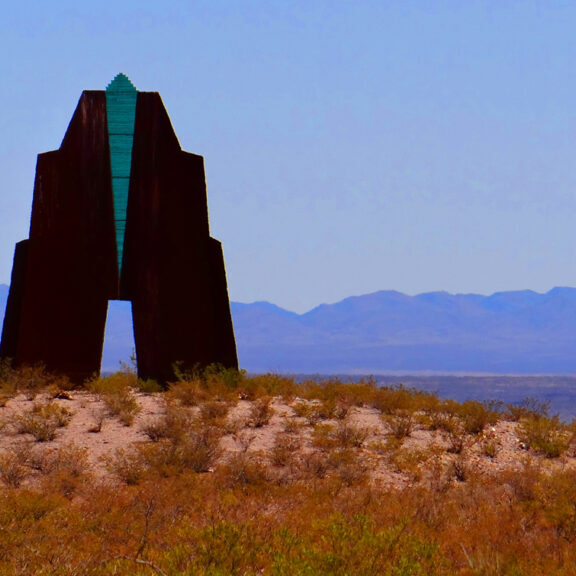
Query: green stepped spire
{"x": 121, "y": 98}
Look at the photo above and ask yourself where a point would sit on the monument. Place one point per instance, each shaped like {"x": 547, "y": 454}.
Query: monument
{"x": 119, "y": 213}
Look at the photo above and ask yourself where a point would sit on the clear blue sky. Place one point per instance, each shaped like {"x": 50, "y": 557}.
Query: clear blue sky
{"x": 350, "y": 145}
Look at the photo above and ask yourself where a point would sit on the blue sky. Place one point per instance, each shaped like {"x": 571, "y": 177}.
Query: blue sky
{"x": 350, "y": 145}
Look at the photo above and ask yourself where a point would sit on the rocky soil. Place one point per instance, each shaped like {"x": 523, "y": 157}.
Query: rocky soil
{"x": 284, "y": 435}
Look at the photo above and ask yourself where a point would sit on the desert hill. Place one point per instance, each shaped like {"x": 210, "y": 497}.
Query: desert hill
{"x": 230, "y": 474}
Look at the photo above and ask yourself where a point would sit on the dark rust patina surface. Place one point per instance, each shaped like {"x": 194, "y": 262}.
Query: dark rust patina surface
{"x": 66, "y": 272}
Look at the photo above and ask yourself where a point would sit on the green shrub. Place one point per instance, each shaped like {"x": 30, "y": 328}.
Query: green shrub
{"x": 148, "y": 386}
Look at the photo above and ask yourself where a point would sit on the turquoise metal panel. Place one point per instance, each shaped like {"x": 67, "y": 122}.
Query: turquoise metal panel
{"x": 121, "y": 98}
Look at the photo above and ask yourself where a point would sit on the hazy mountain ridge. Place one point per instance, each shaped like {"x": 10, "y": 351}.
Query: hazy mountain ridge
{"x": 506, "y": 332}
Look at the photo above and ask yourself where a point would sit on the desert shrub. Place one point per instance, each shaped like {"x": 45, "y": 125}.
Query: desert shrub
{"x": 261, "y": 412}
{"x": 314, "y": 465}
{"x": 174, "y": 424}
{"x": 385, "y": 447}
{"x": 447, "y": 419}
{"x": 148, "y": 386}
{"x": 217, "y": 381}
{"x": 525, "y": 482}
{"x": 400, "y": 422}
{"x": 292, "y": 425}
{"x": 156, "y": 429}
{"x": 460, "y": 469}
{"x": 323, "y": 437}
{"x": 490, "y": 447}
{"x": 42, "y": 421}
{"x": 342, "y": 408}
{"x": 244, "y": 469}
{"x": 112, "y": 383}
{"x": 181, "y": 441}
{"x": 196, "y": 449}
{"x": 543, "y": 434}
{"x": 528, "y": 408}
{"x": 475, "y": 416}
{"x": 29, "y": 380}
{"x": 123, "y": 405}
{"x": 489, "y": 443}
{"x": 187, "y": 392}
{"x": 357, "y": 545}
{"x": 98, "y": 418}
{"x": 334, "y": 392}
{"x": 409, "y": 462}
{"x": 8, "y": 386}
{"x": 244, "y": 439}
{"x": 457, "y": 438}
{"x": 214, "y": 412}
{"x": 227, "y": 547}
{"x": 253, "y": 387}
{"x": 129, "y": 466}
{"x": 441, "y": 420}
{"x": 558, "y": 498}
{"x": 341, "y": 435}
{"x": 184, "y": 373}
{"x": 230, "y": 378}
{"x": 314, "y": 411}
{"x": 301, "y": 409}
{"x": 285, "y": 449}
{"x": 275, "y": 513}
{"x": 13, "y": 470}
{"x": 348, "y": 468}
{"x": 390, "y": 399}
{"x": 65, "y": 470}
{"x": 350, "y": 436}
{"x": 116, "y": 392}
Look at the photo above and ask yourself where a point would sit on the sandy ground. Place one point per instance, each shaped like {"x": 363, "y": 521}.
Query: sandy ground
{"x": 396, "y": 464}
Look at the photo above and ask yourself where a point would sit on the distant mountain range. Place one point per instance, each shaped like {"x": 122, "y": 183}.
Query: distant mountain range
{"x": 520, "y": 332}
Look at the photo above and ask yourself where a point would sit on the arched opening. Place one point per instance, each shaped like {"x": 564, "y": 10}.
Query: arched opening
{"x": 119, "y": 344}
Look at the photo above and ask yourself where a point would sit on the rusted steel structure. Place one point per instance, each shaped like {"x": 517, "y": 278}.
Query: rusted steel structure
{"x": 119, "y": 213}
